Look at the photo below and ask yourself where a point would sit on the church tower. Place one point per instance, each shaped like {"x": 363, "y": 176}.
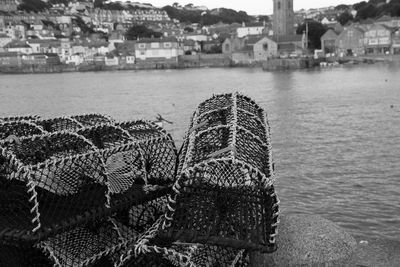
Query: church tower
{"x": 283, "y": 23}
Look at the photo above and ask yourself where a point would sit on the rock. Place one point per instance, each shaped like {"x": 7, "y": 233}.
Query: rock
{"x": 308, "y": 240}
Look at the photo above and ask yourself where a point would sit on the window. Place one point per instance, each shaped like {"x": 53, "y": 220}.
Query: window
{"x": 265, "y": 46}
{"x": 279, "y": 5}
{"x": 142, "y": 46}
{"x": 155, "y": 45}
{"x": 288, "y": 3}
{"x": 167, "y": 45}
{"x": 227, "y": 47}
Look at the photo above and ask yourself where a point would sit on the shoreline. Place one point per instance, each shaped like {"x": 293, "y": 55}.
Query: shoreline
{"x": 221, "y": 62}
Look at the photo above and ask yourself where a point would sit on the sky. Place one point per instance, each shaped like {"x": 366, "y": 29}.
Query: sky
{"x": 252, "y": 7}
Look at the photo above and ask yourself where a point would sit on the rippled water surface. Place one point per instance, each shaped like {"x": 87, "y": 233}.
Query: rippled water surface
{"x": 336, "y": 138}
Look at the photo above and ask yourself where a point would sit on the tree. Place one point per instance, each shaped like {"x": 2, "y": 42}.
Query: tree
{"x": 188, "y": 29}
{"x": 368, "y": 11}
{"x": 33, "y": 6}
{"x": 342, "y": 8}
{"x": 315, "y": 31}
{"x": 99, "y": 3}
{"x": 141, "y": 31}
{"x": 359, "y": 5}
{"x": 345, "y": 17}
{"x": 263, "y": 18}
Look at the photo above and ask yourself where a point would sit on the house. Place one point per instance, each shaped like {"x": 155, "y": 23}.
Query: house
{"x": 130, "y": 59}
{"x": 111, "y": 61}
{"x": 197, "y": 37}
{"x": 45, "y": 46}
{"x": 232, "y": 44}
{"x": 75, "y": 59}
{"x": 396, "y": 42}
{"x": 328, "y": 41}
{"x": 158, "y": 49}
{"x": 289, "y": 45}
{"x": 8, "y": 5}
{"x": 40, "y": 59}
{"x": 393, "y": 22}
{"x": 18, "y": 46}
{"x": 264, "y": 49}
{"x": 4, "y": 39}
{"x": 213, "y": 46}
{"x": 251, "y": 29}
{"x": 350, "y": 41}
{"x": 10, "y": 59}
{"x": 378, "y": 39}
{"x": 246, "y": 53}
{"x": 189, "y": 46}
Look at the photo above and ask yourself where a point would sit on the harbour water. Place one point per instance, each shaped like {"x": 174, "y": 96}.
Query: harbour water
{"x": 335, "y": 132}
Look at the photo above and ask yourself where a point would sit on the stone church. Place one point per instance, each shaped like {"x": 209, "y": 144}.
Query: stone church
{"x": 283, "y": 23}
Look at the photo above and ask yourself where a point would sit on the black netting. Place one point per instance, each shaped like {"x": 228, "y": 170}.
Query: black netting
{"x": 56, "y": 176}
{"x": 19, "y": 129}
{"x": 247, "y": 104}
{"x": 59, "y": 124}
{"x": 22, "y": 256}
{"x": 91, "y": 244}
{"x": 142, "y": 130}
{"x": 123, "y": 158}
{"x": 215, "y": 103}
{"x": 159, "y": 152}
{"x": 89, "y": 120}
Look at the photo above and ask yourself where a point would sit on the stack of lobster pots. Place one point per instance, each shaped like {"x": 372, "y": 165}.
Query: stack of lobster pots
{"x": 77, "y": 191}
{"x": 88, "y": 191}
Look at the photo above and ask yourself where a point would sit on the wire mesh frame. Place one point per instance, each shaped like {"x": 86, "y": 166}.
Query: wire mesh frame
{"x": 149, "y": 252}
{"x": 87, "y": 244}
{"x": 59, "y": 124}
{"x": 21, "y": 128}
{"x": 93, "y": 119}
{"x": 30, "y": 174}
{"x": 229, "y": 155}
{"x": 122, "y": 157}
{"x": 230, "y": 148}
{"x": 20, "y": 118}
{"x": 160, "y": 153}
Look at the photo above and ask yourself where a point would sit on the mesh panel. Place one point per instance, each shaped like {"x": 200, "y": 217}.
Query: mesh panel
{"x": 57, "y": 176}
{"x": 59, "y": 124}
{"x": 123, "y": 159}
{"x": 215, "y": 103}
{"x": 19, "y": 129}
{"x": 159, "y": 152}
{"x": 90, "y": 120}
{"x": 85, "y": 245}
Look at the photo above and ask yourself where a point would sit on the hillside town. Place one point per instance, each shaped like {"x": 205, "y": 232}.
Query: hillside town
{"x": 83, "y": 35}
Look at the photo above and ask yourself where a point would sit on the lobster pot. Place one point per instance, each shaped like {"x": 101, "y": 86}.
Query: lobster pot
{"x": 89, "y": 120}
{"x": 48, "y": 181}
{"x": 96, "y": 244}
{"x": 59, "y": 124}
{"x": 224, "y": 195}
{"x": 161, "y": 253}
{"x": 19, "y": 129}
{"x": 20, "y": 118}
{"x": 159, "y": 151}
{"x": 122, "y": 157}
